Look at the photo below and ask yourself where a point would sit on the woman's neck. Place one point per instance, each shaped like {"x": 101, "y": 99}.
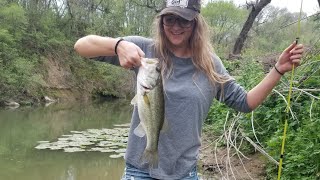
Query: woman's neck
{"x": 182, "y": 52}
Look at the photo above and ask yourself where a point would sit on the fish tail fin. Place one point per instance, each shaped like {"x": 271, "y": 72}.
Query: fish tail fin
{"x": 151, "y": 157}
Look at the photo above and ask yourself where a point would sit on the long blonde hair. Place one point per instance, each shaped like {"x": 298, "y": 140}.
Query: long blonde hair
{"x": 199, "y": 44}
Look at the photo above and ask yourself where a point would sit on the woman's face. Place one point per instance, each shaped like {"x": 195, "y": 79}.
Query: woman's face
{"x": 177, "y": 30}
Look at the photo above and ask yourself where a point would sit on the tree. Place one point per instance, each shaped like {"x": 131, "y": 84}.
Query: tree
{"x": 277, "y": 26}
{"x": 255, "y": 10}
{"x": 226, "y": 21}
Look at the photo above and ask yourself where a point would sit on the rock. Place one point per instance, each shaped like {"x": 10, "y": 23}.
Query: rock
{"x": 48, "y": 104}
{"x": 26, "y": 103}
{"x": 11, "y": 103}
{"x": 48, "y": 100}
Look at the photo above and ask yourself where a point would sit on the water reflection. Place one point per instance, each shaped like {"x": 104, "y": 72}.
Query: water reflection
{"x": 22, "y": 128}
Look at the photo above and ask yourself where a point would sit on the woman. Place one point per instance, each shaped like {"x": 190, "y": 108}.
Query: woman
{"x": 193, "y": 76}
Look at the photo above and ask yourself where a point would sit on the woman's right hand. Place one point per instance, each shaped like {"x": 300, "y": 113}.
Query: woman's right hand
{"x": 129, "y": 54}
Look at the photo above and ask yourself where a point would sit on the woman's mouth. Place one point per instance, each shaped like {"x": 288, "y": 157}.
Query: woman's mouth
{"x": 176, "y": 33}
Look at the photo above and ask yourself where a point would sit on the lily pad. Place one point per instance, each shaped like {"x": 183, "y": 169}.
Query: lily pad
{"x": 101, "y": 140}
{"x": 120, "y": 151}
{"x": 56, "y": 147}
{"x": 122, "y": 125}
{"x": 115, "y": 156}
{"x": 79, "y": 132}
{"x": 107, "y": 150}
{"x": 43, "y": 146}
{"x": 96, "y": 149}
{"x": 74, "y": 149}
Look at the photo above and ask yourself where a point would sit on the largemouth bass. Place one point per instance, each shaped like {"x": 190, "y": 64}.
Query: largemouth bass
{"x": 150, "y": 102}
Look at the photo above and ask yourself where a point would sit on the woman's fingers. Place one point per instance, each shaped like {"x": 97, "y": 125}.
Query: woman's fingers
{"x": 125, "y": 63}
{"x": 131, "y": 55}
{"x": 290, "y": 56}
{"x": 296, "y": 61}
{"x": 297, "y": 50}
{"x": 296, "y": 56}
{"x": 140, "y": 52}
{"x": 130, "y": 63}
{"x": 288, "y": 50}
{"x": 136, "y": 61}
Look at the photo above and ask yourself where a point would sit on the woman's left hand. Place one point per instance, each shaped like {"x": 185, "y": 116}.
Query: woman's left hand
{"x": 290, "y": 56}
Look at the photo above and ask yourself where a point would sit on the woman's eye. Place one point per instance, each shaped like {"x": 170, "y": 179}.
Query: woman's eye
{"x": 184, "y": 21}
{"x": 171, "y": 19}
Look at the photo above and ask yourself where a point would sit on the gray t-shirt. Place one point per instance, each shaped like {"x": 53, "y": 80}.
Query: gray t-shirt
{"x": 188, "y": 97}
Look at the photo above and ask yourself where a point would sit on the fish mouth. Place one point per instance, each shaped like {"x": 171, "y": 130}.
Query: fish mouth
{"x": 145, "y": 87}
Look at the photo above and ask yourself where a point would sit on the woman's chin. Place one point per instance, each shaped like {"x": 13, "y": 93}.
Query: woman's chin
{"x": 177, "y": 44}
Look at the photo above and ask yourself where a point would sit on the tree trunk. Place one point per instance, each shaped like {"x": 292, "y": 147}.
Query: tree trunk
{"x": 255, "y": 10}
{"x": 319, "y": 2}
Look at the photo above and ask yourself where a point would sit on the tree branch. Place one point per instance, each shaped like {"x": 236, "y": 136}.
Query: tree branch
{"x": 151, "y": 4}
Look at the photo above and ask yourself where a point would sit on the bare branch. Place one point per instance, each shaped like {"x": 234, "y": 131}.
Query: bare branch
{"x": 151, "y": 4}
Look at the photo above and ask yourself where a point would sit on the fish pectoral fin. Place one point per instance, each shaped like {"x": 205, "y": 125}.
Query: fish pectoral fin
{"x": 139, "y": 131}
{"x": 134, "y": 100}
{"x": 146, "y": 100}
{"x": 165, "y": 126}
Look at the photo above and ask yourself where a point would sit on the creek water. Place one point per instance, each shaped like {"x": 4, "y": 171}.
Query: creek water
{"x": 22, "y": 128}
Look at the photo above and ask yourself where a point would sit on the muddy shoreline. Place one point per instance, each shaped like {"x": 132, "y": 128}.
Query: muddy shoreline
{"x": 221, "y": 167}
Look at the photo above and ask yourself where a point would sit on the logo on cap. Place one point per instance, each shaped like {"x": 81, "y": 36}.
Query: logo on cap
{"x": 179, "y": 3}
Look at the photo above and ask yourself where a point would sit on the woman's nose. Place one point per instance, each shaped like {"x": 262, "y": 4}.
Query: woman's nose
{"x": 176, "y": 25}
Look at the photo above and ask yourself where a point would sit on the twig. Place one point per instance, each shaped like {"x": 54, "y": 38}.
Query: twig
{"x": 260, "y": 149}
{"x": 310, "y": 111}
{"x": 305, "y": 91}
{"x": 245, "y": 169}
{"x": 238, "y": 150}
{"x": 307, "y": 64}
{"x": 309, "y": 94}
{"x": 237, "y": 153}
{"x": 216, "y": 156}
{"x": 216, "y": 146}
{"x": 254, "y": 132}
{"x": 310, "y": 90}
{"x": 227, "y": 137}
{"x": 293, "y": 116}
{"x": 298, "y": 96}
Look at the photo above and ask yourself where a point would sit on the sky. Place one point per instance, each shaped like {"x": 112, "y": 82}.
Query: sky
{"x": 309, "y": 6}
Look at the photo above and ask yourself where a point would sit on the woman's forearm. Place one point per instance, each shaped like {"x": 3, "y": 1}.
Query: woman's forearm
{"x": 257, "y": 94}
{"x": 289, "y": 57}
{"x": 93, "y": 46}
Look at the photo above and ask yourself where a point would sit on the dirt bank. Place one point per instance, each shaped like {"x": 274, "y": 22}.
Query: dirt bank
{"x": 210, "y": 168}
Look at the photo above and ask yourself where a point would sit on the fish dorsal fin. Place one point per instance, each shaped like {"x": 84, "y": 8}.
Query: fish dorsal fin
{"x": 146, "y": 99}
{"x": 139, "y": 131}
{"x": 134, "y": 100}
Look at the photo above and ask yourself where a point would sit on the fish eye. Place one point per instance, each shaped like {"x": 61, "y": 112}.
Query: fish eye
{"x": 158, "y": 69}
